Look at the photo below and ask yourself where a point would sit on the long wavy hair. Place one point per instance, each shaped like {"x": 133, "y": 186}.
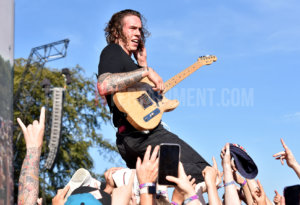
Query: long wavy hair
{"x": 114, "y": 28}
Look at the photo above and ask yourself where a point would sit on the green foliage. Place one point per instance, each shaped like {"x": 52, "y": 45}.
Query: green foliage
{"x": 81, "y": 122}
{"x": 6, "y": 75}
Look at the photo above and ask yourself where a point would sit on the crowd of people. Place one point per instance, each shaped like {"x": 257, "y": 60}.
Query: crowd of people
{"x": 83, "y": 189}
{"x": 125, "y": 34}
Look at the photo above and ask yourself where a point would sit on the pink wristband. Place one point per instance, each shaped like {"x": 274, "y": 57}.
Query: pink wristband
{"x": 191, "y": 198}
{"x": 243, "y": 184}
{"x": 146, "y": 184}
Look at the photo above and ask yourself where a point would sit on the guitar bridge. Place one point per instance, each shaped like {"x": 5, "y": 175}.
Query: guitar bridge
{"x": 144, "y": 101}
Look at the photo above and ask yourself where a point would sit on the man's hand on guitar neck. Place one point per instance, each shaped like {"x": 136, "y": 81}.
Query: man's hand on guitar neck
{"x": 156, "y": 79}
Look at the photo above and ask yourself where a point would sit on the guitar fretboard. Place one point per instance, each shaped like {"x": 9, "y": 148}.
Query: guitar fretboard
{"x": 188, "y": 71}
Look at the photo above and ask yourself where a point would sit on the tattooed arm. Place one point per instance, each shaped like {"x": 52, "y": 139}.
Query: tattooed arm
{"x": 109, "y": 83}
{"x": 29, "y": 177}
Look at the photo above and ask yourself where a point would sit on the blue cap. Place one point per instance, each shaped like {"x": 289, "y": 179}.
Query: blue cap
{"x": 82, "y": 199}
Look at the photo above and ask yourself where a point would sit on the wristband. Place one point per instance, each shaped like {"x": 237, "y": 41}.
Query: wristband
{"x": 228, "y": 183}
{"x": 243, "y": 184}
{"x": 174, "y": 203}
{"x": 191, "y": 198}
{"x": 146, "y": 185}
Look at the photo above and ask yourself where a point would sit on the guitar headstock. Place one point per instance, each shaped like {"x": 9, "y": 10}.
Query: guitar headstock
{"x": 207, "y": 60}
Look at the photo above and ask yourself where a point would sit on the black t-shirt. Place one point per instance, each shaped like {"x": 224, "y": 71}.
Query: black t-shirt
{"x": 114, "y": 59}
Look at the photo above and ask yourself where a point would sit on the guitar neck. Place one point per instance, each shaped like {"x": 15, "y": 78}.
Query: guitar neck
{"x": 181, "y": 76}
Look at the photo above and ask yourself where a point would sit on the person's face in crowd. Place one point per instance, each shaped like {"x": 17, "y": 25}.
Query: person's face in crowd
{"x": 132, "y": 26}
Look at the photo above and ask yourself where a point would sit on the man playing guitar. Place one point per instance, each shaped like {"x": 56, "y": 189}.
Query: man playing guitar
{"x": 126, "y": 35}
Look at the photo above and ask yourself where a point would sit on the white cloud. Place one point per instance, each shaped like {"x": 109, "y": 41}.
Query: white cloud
{"x": 293, "y": 116}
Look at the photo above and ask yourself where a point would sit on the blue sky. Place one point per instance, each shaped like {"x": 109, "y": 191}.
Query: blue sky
{"x": 250, "y": 96}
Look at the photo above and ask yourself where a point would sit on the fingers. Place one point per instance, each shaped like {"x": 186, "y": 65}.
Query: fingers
{"x": 35, "y": 123}
{"x": 260, "y": 187}
{"x": 154, "y": 153}
{"x": 181, "y": 172}
{"x": 281, "y": 160}
{"x": 42, "y": 116}
{"x": 215, "y": 165}
{"x": 279, "y": 153}
{"x": 172, "y": 179}
{"x": 39, "y": 201}
{"x": 193, "y": 181}
{"x": 30, "y": 130}
{"x": 147, "y": 153}
{"x": 64, "y": 191}
{"x": 227, "y": 149}
{"x": 131, "y": 180}
{"x": 23, "y": 127}
{"x": 138, "y": 163}
{"x": 283, "y": 144}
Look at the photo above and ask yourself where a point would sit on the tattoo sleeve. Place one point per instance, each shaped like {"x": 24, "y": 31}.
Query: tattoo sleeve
{"x": 113, "y": 82}
{"x": 29, "y": 177}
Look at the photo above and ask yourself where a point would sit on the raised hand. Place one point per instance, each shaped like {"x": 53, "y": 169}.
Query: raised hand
{"x": 156, "y": 79}
{"x": 141, "y": 56}
{"x": 259, "y": 195}
{"x": 60, "y": 196}
{"x": 147, "y": 170}
{"x": 286, "y": 155}
{"x": 277, "y": 198}
{"x": 211, "y": 174}
{"x": 34, "y": 132}
{"x": 178, "y": 196}
{"x": 123, "y": 194}
{"x": 183, "y": 183}
{"x": 225, "y": 156}
{"x": 29, "y": 176}
{"x": 110, "y": 184}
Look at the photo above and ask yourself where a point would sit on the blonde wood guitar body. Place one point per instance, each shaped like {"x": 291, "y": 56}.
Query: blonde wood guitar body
{"x": 143, "y": 106}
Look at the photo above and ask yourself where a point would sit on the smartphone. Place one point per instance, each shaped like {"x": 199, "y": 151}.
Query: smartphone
{"x": 292, "y": 195}
{"x": 169, "y": 156}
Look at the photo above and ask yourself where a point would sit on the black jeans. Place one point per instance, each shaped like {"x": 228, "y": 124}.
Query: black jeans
{"x": 133, "y": 144}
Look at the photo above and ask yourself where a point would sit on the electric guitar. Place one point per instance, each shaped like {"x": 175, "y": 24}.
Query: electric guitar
{"x": 144, "y": 107}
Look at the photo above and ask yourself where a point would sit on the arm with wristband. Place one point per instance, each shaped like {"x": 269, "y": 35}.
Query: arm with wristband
{"x": 184, "y": 187}
{"x": 231, "y": 195}
{"x": 147, "y": 174}
{"x": 244, "y": 186}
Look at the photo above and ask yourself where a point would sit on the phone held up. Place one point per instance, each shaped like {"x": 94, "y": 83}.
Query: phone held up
{"x": 292, "y": 195}
{"x": 169, "y": 156}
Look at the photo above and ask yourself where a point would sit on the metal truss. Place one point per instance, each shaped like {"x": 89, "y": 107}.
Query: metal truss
{"x": 38, "y": 56}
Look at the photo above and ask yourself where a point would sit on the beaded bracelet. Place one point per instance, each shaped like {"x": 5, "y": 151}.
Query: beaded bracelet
{"x": 228, "y": 183}
{"x": 191, "y": 198}
{"x": 146, "y": 184}
{"x": 174, "y": 203}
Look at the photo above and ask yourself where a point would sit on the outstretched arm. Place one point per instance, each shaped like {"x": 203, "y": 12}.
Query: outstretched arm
{"x": 29, "y": 177}
{"x": 210, "y": 175}
{"x": 289, "y": 157}
{"x": 231, "y": 195}
{"x": 147, "y": 172}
